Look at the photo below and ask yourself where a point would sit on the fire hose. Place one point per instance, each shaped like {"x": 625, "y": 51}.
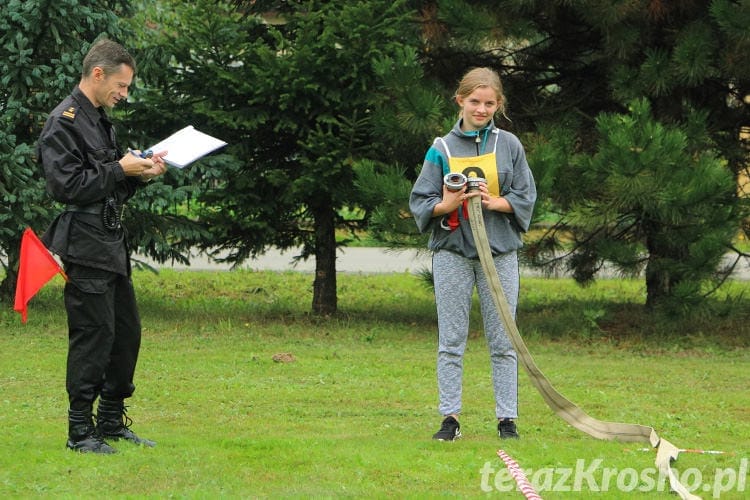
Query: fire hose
{"x": 666, "y": 452}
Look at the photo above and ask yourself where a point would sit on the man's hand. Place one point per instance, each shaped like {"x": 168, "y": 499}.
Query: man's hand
{"x": 145, "y": 168}
{"x": 158, "y": 167}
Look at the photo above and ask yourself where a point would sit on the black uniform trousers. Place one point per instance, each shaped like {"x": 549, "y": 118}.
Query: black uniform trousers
{"x": 104, "y": 335}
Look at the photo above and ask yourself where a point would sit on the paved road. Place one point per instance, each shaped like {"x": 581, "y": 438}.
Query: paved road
{"x": 355, "y": 259}
{"x": 359, "y": 260}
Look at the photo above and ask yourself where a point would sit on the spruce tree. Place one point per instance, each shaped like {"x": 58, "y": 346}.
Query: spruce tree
{"x": 572, "y": 70}
{"x": 42, "y": 45}
{"x": 296, "y": 96}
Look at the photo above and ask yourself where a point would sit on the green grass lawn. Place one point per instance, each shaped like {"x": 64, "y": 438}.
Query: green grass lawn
{"x": 353, "y": 415}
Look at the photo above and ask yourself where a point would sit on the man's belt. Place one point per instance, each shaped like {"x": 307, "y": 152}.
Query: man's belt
{"x": 92, "y": 208}
{"x": 108, "y": 209}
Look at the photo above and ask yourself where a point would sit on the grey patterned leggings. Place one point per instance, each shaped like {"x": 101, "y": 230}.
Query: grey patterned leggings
{"x": 455, "y": 277}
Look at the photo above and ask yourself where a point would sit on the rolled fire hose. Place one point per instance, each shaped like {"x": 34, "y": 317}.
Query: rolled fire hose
{"x": 666, "y": 452}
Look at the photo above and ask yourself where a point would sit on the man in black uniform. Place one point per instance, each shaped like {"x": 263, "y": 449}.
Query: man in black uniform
{"x": 85, "y": 169}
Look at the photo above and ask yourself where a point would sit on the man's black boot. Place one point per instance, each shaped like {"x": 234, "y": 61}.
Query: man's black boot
{"x": 113, "y": 423}
{"x": 82, "y": 435}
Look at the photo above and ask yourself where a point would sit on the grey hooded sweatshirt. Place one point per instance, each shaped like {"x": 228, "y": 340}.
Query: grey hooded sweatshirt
{"x": 517, "y": 186}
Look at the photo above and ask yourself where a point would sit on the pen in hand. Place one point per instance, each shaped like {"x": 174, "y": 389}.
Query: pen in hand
{"x": 144, "y": 154}
{"x": 133, "y": 167}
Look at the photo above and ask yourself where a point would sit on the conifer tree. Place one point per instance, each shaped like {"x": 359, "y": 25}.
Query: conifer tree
{"x": 296, "y": 96}
{"x": 575, "y": 72}
{"x": 42, "y": 45}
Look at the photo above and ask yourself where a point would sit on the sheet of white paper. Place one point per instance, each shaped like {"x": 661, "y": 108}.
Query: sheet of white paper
{"x": 187, "y": 145}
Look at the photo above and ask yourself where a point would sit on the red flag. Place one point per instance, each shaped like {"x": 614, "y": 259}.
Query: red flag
{"x": 36, "y": 268}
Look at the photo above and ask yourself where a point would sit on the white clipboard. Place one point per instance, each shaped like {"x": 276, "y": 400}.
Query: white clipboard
{"x": 187, "y": 145}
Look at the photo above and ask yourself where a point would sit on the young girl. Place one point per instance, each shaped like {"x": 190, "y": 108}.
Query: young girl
{"x": 475, "y": 147}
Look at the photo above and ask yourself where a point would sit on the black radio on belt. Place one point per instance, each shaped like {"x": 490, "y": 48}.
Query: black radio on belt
{"x": 111, "y": 213}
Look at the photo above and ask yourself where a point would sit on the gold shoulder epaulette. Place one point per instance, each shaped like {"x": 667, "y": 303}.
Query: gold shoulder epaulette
{"x": 70, "y": 113}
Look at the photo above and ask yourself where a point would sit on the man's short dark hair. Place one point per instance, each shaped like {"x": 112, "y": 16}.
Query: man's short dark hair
{"x": 108, "y": 55}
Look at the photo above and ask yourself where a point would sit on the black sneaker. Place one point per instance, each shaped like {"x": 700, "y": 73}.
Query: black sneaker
{"x": 449, "y": 430}
{"x": 506, "y": 429}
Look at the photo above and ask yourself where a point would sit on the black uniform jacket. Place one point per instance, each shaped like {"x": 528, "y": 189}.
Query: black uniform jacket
{"x": 78, "y": 151}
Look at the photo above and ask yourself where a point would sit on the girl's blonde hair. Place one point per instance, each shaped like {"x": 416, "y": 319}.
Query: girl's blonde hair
{"x": 483, "y": 77}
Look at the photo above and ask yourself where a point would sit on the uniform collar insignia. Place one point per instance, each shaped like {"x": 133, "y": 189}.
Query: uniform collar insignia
{"x": 70, "y": 113}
